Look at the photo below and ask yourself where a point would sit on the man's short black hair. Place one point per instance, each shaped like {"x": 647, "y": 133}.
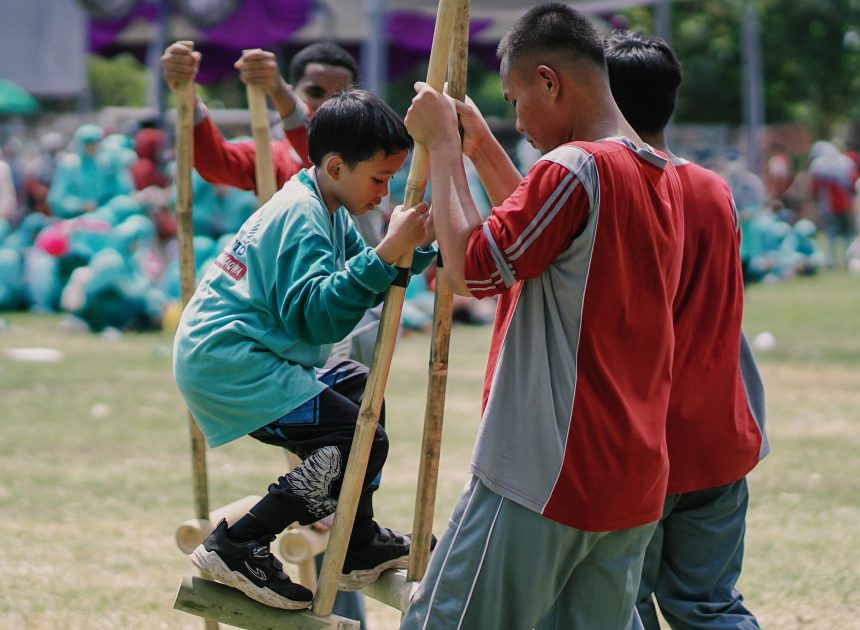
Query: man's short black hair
{"x": 356, "y": 125}
{"x": 644, "y": 75}
{"x": 552, "y": 28}
{"x": 326, "y": 53}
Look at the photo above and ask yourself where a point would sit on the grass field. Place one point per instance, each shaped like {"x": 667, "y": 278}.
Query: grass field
{"x": 95, "y": 471}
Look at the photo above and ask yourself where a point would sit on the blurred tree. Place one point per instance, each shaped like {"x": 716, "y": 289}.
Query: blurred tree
{"x": 811, "y": 59}
{"x": 118, "y": 81}
{"x": 484, "y": 88}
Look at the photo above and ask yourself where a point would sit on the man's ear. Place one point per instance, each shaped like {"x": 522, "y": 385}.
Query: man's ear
{"x": 333, "y": 165}
{"x": 550, "y": 79}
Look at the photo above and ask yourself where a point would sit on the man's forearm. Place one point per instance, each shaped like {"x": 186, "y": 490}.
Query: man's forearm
{"x": 497, "y": 172}
{"x": 284, "y": 99}
{"x": 455, "y": 216}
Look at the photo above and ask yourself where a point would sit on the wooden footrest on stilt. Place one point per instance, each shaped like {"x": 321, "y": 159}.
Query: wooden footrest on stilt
{"x": 218, "y": 602}
{"x": 392, "y": 589}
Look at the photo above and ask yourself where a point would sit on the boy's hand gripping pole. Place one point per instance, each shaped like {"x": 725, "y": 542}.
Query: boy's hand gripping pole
{"x": 371, "y": 404}
{"x": 428, "y": 471}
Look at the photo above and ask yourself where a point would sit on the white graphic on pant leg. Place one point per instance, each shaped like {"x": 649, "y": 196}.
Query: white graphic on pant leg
{"x": 312, "y": 480}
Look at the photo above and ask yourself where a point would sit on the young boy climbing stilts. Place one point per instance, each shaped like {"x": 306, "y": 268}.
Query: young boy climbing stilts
{"x": 251, "y": 349}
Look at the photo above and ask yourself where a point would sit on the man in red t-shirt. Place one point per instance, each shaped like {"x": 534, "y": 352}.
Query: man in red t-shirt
{"x": 318, "y": 71}
{"x": 713, "y": 433}
{"x": 570, "y": 467}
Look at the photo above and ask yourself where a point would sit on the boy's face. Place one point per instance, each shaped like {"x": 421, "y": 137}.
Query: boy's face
{"x": 525, "y": 89}
{"x": 319, "y": 81}
{"x": 361, "y": 188}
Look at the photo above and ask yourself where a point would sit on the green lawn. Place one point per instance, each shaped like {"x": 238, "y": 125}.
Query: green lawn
{"x": 95, "y": 471}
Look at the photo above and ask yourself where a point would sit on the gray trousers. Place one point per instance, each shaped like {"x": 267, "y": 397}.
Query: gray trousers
{"x": 500, "y": 565}
{"x": 694, "y": 560}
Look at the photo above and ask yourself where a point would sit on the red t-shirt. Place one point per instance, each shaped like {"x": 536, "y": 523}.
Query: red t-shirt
{"x": 712, "y": 436}
{"x": 586, "y": 255}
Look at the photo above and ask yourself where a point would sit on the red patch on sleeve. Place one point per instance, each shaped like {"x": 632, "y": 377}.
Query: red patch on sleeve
{"x": 232, "y": 266}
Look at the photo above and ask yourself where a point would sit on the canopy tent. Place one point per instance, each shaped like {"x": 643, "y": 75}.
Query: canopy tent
{"x": 15, "y": 100}
{"x": 402, "y": 26}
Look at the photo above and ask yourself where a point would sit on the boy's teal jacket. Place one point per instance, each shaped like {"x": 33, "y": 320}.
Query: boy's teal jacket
{"x": 293, "y": 281}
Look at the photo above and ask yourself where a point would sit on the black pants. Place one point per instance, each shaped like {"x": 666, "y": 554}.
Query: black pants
{"x": 320, "y": 432}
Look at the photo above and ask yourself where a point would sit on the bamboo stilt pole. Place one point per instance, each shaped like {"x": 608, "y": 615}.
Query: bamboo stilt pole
{"x": 368, "y": 415}
{"x": 198, "y": 596}
{"x": 264, "y": 169}
{"x": 434, "y": 410}
{"x": 194, "y": 531}
{"x": 187, "y": 280}
{"x": 185, "y": 230}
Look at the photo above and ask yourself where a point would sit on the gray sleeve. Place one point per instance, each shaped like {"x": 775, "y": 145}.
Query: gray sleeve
{"x": 754, "y": 388}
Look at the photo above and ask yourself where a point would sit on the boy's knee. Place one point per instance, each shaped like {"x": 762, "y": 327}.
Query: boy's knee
{"x": 379, "y": 449}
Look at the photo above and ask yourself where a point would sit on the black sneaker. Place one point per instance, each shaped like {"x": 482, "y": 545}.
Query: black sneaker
{"x": 251, "y": 568}
{"x": 387, "y": 550}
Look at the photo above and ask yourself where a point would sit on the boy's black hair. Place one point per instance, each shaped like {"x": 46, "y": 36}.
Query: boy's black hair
{"x": 644, "y": 75}
{"x": 326, "y": 53}
{"x": 356, "y": 125}
{"x": 550, "y": 28}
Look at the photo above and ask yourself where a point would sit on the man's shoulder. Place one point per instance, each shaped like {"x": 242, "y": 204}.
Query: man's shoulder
{"x": 567, "y": 158}
{"x": 694, "y": 177}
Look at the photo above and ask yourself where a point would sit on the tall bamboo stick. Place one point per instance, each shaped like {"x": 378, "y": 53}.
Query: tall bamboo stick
{"x": 263, "y": 168}
{"x": 368, "y": 415}
{"x": 185, "y": 230}
{"x": 428, "y": 471}
{"x": 187, "y": 280}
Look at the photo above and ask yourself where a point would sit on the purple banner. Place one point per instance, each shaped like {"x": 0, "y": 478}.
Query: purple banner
{"x": 414, "y": 31}
{"x": 256, "y": 24}
{"x": 103, "y": 33}
{"x": 260, "y": 24}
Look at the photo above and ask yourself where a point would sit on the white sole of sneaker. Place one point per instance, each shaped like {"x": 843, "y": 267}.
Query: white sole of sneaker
{"x": 209, "y": 562}
{"x": 358, "y": 579}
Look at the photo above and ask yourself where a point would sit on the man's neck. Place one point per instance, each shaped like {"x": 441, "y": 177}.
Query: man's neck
{"x": 605, "y": 119}
{"x": 656, "y": 140}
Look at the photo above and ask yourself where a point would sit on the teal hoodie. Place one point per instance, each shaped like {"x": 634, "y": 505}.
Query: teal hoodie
{"x": 293, "y": 281}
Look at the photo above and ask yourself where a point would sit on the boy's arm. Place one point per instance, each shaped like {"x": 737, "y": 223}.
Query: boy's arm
{"x": 422, "y": 256}
{"x": 318, "y": 303}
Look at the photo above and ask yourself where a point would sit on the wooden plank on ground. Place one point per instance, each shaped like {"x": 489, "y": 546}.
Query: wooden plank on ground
{"x": 218, "y": 602}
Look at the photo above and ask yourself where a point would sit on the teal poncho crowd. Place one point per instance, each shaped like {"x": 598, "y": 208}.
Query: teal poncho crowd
{"x": 106, "y": 252}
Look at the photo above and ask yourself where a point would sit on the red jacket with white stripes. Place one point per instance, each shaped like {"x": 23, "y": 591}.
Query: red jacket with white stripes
{"x": 586, "y": 256}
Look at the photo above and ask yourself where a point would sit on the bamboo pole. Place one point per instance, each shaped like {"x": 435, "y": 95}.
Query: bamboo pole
{"x": 217, "y": 602}
{"x": 194, "y": 531}
{"x": 185, "y": 229}
{"x": 368, "y": 415}
{"x": 187, "y": 280}
{"x": 264, "y": 170}
{"x": 434, "y": 410}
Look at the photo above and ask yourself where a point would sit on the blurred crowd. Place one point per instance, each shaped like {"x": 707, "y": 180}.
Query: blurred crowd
{"x": 802, "y": 216}
{"x": 87, "y": 227}
{"x": 87, "y": 224}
